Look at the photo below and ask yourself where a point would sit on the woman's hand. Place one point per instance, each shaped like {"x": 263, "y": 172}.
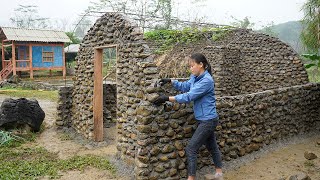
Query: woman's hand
{"x": 164, "y": 81}
{"x": 161, "y": 99}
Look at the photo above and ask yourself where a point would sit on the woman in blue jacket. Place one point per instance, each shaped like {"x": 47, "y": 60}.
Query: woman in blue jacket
{"x": 199, "y": 89}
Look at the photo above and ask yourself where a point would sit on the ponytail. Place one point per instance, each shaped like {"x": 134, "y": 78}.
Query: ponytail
{"x": 208, "y": 68}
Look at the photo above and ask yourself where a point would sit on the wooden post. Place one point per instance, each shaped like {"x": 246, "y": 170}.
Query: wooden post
{"x": 2, "y": 53}
{"x": 30, "y": 61}
{"x": 14, "y": 58}
{"x": 64, "y": 63}
{"x": 98, "y": 96}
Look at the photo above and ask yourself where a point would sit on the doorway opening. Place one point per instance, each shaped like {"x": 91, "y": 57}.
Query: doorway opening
{"x": 104, "y": 94}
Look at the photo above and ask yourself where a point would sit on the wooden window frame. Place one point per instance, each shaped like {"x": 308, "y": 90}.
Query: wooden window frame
{"x": 47, "y": 56}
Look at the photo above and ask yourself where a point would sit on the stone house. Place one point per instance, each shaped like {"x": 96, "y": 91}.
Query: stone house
{"x": 262, "y": 88}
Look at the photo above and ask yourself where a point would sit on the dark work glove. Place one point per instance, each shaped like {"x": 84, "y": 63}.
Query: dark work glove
{"x": 161, "y": 99}
{"x": 164, "y": 81}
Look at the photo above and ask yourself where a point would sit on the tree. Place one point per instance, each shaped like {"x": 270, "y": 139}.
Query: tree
{"x": 245, "y": 23}
{"x": 165, "y": 8}
{"x": 311, "y": 25}
{"x": 26, "y": 16}
{"x": 73, "y": 38}
{"x": 269, "y": 29}
{"x": 145, "y": 12}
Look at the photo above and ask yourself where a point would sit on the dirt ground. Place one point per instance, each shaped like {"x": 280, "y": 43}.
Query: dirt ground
{"x": 275, "y": 162}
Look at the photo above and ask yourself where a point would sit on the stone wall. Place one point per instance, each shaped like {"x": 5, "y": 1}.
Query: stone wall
{"x": 153, "y": 138}
{"x": 109, "y": 104}
{"x": 64, "y": 107}
{"x": 267, "y": 63}
{"x": 251, "y": 121}
{"x": 135, "y": 70}
{"x": 245, "y": 62}
{"x": 247, "y": 123}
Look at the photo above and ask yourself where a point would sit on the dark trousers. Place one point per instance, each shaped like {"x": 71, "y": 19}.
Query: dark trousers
{"x": 204, "y": 134}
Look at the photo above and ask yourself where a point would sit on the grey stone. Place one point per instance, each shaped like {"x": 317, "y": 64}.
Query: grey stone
{"x": 310, "y": 155}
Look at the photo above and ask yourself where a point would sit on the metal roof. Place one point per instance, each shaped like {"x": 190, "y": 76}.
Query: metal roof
{"x": 34, "y": 35}
{"x": 72, "y": 48}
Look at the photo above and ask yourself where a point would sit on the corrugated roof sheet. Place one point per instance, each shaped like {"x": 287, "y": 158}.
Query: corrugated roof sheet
{"x": 72, "y": 48}
{"x": 34, "y": 35}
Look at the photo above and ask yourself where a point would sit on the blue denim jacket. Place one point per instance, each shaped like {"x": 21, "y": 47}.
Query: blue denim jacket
{"x": 200, "y": 90}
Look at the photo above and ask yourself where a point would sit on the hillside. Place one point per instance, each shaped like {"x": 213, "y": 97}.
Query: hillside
{"x": 288, "y": 32}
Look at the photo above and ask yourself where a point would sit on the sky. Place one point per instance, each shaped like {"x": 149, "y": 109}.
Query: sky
{"x": 260, "y": 12}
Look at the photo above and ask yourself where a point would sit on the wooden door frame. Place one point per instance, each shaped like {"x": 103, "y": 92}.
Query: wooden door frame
{"x": 98, "y": 91}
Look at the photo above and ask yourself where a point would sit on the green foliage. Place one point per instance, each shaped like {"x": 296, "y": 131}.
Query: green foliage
{"x": 65, "y": 137}
{"x": 244, "y": 23}
{"x": 167, "y": 38}
{"x": 312, "y": 65}
{"x": 31, "y": 163}
{"x": 311, "y": 22}
{"x": 314, "y": 60}
{"x": 73, "y": 38}
{"x": 313, "y": 74}
{"x": 165, "y": 7}
{"x": 8, "y": 139}
{"x": 270, "y": 30}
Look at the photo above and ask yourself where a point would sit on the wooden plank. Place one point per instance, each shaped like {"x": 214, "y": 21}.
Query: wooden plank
{"x": 14, "y": 58}
{"x": 23, "y": 69}
{"x": 107, "y": 46}
{"x": 30, "y": 59}
{"x": 45, "y": 44}
{"x": 64, "y": 63}
{"x": 98, "y": 96}
{"x": 47, "y": 68}
{"x": 2, "y": 52}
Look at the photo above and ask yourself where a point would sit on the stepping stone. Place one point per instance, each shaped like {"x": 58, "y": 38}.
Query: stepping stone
{"x": 310, "y": 155}
{"x": 299, "y": 176}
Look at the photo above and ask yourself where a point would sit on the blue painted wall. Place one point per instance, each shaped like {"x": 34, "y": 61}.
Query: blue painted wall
{"x": 37, "y": 56}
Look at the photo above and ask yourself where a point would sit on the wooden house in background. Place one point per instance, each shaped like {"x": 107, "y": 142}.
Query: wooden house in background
{"x": 32, "y": 50}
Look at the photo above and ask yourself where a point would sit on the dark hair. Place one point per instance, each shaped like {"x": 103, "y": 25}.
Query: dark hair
{"x": 200, "y": 58}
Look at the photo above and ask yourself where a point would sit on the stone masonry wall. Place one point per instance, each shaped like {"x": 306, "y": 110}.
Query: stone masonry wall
{"x": 251, "y": 121}
{"x": 247, "y": 123}
{"x": 153, "y": 138}
{"x": 267, "y": 63}
{"x": 245, "y": 62}
{"x": 109, "y": 104}
{"x": 64, "y": 107}
{"x": 224, "y": 64}
{"x": 135, "y": 72}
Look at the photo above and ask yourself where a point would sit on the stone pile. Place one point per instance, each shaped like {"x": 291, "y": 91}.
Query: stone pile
{"x": 64, "y": 107}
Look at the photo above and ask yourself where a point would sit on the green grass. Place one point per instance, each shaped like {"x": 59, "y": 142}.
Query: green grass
{"x": 28, "y": 93}
{"x": 309, "y": 163}
{"x": 313, "y": 74}
{"x": 18, "y": 162}
{"x": 31, "y": 163}
{"x": 65, "y": 137}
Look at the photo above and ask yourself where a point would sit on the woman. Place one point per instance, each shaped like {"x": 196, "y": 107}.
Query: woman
{"x": 200, "y": 89}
